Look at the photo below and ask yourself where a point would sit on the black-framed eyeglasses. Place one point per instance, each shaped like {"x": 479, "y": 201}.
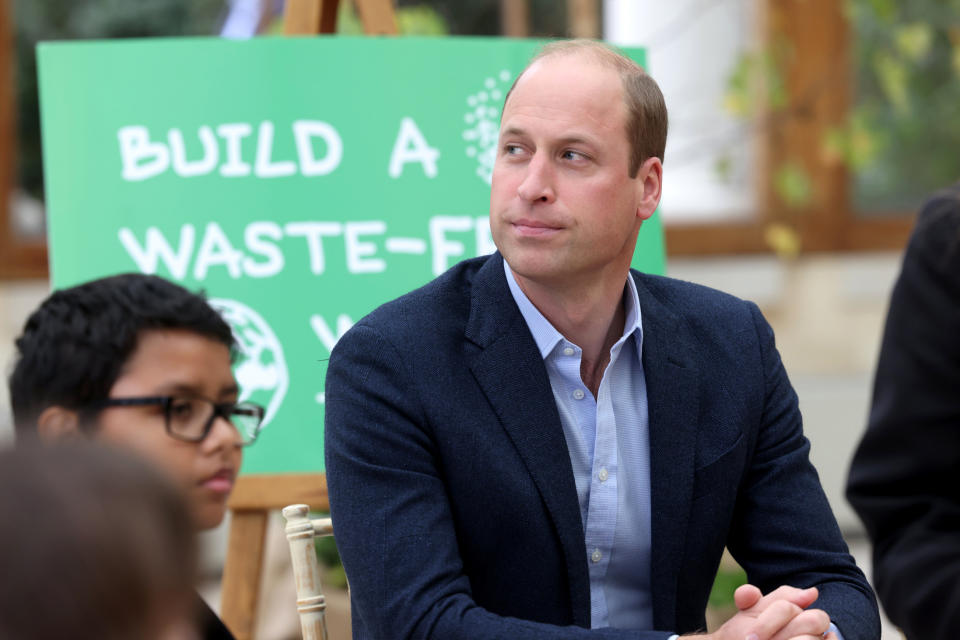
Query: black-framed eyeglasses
{"x": 191, "y": 418}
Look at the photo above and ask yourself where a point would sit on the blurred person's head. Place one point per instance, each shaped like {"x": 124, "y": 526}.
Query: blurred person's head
{"x": 142, "y": 363}
{"x": 94, "y": 543}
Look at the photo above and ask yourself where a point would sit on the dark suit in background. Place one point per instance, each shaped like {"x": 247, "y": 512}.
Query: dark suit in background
{"x": 452, "y": 488}
{"x": 905, "y": 478}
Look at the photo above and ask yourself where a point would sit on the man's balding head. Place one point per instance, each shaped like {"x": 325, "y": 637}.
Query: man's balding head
{"x": 646, "y": 126}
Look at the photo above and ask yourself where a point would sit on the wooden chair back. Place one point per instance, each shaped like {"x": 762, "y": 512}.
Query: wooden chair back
{"x": 301, "y": 533}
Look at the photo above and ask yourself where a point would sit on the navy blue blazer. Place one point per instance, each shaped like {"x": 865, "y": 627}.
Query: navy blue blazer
{"x": 452, "y": 491}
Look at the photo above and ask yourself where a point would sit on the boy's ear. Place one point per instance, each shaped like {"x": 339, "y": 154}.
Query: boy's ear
{"x": 56, "y": 424}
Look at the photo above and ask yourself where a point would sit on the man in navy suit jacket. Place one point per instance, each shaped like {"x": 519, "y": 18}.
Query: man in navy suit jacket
{"x": 543, "y": 444}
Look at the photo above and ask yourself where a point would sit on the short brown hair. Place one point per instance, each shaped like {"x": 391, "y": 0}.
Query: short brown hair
{"x": 646, "y": 109}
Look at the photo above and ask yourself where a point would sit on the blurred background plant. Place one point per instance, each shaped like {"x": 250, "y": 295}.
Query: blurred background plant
{"x": 903, "y": 134}
{"x": 900, "y": 138}
{"x": 721, "y": 606}
{"x": 334, "y": 576}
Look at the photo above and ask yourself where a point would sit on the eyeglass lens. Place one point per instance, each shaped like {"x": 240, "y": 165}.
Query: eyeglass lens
{"x": 189, "y": 418}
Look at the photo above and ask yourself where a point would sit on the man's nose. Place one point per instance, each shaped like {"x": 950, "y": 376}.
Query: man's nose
{"x": 537, "y": 184}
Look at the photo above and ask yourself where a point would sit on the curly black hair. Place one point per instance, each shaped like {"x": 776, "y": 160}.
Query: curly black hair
{"x": 75, "y": 344}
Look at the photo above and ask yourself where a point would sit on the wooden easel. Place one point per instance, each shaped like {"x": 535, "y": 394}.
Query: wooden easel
{"x": 255, "y": 496}
{"x": 313, "y": 17}
{"x": 251, "y": 502}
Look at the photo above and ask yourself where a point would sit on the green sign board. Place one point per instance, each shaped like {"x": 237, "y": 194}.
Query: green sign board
{"x": 299, "y": 182}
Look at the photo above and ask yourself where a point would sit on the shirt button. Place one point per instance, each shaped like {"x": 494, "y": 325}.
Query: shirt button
{"x": 596, "y": 555}
{"x": 603, "y": 475}
{"x": 568, "y": 351}
{"x": 578, "y": 394}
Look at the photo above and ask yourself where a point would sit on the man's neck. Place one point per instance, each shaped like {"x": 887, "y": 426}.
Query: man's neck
{"x": 591, "y": 317}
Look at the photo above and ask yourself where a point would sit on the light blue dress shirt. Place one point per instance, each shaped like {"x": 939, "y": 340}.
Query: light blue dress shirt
{"x": 609, "y": 445}
{"x": 608, "y": 438}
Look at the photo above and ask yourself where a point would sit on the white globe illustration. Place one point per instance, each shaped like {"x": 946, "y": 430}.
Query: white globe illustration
{"x": 260, "y": 369}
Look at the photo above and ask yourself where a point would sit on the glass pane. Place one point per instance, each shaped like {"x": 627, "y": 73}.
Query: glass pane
{"x": 904, "y": 131}
{"x": 693, "y": 51}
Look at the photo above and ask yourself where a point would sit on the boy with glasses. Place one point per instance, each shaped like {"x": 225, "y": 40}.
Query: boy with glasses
{"x": 141, "y": 363}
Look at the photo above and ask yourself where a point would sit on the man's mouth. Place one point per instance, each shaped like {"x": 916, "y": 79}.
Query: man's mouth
{"x": 534, "y": 228}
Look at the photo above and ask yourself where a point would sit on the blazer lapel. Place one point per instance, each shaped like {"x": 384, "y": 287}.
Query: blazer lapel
{"x": 669, "y": 366}
{"x": 509, "y": 369}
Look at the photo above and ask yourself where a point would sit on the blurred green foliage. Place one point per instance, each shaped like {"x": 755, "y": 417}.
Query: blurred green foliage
{"x": 329, "y": 557}
{"x": 548, "y": 18}
{"x": 792, "y": 184}
{"x": 755, "y": 84}
{"x": 418, "y": 20}
{"x": 727, "y": 580}
{"x": 757, "y": 90}
{"x": 902, "y": 135}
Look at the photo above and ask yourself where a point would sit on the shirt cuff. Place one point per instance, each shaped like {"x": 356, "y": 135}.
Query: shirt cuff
{"x": 833, "y": 628}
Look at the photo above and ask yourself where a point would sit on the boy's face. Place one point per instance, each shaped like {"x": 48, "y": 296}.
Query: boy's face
{"x": 181, "y": 364}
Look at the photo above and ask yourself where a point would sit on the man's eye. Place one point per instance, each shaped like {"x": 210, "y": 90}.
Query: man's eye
{"x": 512, "y": 149}
{"x": 570, "y": 154}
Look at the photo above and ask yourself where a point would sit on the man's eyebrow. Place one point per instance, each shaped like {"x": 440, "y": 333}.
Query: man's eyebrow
{"x": 575, "y": 138}
{"x": 513, "y": 130}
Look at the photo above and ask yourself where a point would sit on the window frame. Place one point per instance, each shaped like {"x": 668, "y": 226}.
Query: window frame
{"x": 830, "y": 221}
{"x": 17, "y": 259}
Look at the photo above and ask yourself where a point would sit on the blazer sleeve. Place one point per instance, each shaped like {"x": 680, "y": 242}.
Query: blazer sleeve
{"x": 392, "y": 518}
{"x": 783, "y": 530}
{"x": 903, "y": 479}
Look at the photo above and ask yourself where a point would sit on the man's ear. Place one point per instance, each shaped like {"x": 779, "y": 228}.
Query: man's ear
{"x": 649, "y": 186}
{"x": 56, "y": 424}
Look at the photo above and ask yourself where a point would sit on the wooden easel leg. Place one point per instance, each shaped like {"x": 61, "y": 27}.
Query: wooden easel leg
{"x": 310, "y": 17}
{"x": 515, "y": 18}
{"x": 377, "y": 16}
{"x": 241, "y": 571}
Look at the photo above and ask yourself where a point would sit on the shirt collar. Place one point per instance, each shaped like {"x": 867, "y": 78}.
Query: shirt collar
{"x": 545, "y": 334}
